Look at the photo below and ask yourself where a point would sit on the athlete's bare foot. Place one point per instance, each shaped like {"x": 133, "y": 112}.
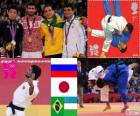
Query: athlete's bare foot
{"x": 81, "y": 106}
{"x": 107, "y": 108}
{"x": 124, "y": 109}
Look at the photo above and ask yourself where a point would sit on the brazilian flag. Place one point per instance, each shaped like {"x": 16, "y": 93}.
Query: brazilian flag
{"x": 58, "y": 109}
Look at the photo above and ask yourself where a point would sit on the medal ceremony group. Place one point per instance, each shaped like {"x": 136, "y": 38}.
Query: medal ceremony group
{"x": 49, "y": 35}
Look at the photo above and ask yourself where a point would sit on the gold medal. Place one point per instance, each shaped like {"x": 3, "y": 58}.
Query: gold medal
{"x": 9, "y": 46}
{"x": 29, "y": 39}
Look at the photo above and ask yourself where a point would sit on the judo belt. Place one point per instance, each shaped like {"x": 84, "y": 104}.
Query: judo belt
{"x": 14, "y": 107}
{"x": 109, "y": 19}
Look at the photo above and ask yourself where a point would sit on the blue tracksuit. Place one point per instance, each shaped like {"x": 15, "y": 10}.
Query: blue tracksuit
{"x": 118, "y": 75}
{"x": 125, "y": 37}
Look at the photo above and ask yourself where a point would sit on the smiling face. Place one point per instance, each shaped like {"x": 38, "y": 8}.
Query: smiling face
{"x": 68, "y": 12}
{"x": 48, "y": 12}
{"x": 12, "y": 14}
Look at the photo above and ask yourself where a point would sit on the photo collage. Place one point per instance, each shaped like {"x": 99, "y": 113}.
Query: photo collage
{"x": 70, "y": 57}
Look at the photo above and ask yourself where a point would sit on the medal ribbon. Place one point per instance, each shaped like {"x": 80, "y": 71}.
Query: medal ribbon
{"x": 13, "y": 30}
{"x": 51, "y": 29}
{"x": 30, "y": 29}
{"x": 67, "y": 31}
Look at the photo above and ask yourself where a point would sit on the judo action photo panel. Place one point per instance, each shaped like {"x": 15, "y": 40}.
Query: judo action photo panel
{"x": 25, "y": 87}
{"x": 113, "y": 28}
{"x": 108, "y": 87}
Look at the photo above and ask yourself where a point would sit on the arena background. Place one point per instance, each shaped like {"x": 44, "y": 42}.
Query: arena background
{"x": 80, "y": 6}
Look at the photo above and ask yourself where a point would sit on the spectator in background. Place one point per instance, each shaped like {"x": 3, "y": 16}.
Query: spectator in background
{"x": 32, "y": 41}
{"x": 1, "y": 18}
{"x": 11, "y": 34}
{"x": 52, "y": 30}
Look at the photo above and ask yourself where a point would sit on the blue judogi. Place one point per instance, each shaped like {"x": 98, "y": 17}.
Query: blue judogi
{"x": 125, "y": 37}
{"x": 118, "y": 76}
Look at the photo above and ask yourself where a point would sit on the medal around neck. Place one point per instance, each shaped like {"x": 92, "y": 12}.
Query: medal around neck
{"x": 30, "y": 39}
{"x": 9, "y": 46}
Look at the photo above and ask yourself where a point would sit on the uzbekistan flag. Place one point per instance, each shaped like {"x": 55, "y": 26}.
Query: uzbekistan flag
{"x": 63, "y": 87}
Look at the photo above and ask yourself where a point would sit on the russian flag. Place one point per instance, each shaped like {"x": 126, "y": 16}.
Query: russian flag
{"x": 64, "y": 68}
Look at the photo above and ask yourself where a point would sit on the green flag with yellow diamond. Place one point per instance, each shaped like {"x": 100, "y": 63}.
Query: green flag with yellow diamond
{"x": 58, "y": 109}
{"x": 57, "y": 106}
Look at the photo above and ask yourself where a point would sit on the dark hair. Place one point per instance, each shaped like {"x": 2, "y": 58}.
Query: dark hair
{"x": 100, "y": 83}
{"x": 37, "y": 70}
{"x": 48, "y": 5}
{"x": 123, "y": 50}
{"x": 69, "y": 5}
{"x": 130, "y": 27}
{"x": 31, "y": 4}
{"x": 13, "y": 7}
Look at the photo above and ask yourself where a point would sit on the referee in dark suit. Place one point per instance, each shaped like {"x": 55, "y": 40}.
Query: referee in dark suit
{"x": 81, "y": 74}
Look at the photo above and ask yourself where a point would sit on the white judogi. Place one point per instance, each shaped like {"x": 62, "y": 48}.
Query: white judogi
{"x": 116, "y": 23}
{"x": 76, "y": 38}
{"x": 22, "y": 98}
{"x": 94, "y": 73}
{"x": 130, "y": 74}
{"x": 31, "y": 54}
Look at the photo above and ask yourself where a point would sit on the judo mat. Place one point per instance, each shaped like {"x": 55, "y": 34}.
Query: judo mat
{"x": 96, "y": 109}
{"x": 130, "y": 10}
{"x": 34, "y": 110}
{"x": 90, "y": 109}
